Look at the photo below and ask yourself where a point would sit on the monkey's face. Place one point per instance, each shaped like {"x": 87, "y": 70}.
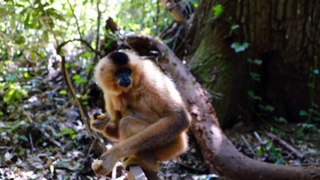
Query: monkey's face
{"x": 116, "y": 72}
{"x": 123, "y": 76}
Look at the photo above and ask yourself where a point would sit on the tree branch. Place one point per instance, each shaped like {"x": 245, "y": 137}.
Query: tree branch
{"x": 66, "y": 76}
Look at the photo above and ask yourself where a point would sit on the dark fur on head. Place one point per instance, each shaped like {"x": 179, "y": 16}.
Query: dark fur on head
{"x": 119, "y": 58}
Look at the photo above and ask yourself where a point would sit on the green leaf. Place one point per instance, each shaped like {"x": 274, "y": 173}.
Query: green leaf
{"x": 63, "y": 92}
{"x": 252, "y": 95}
{"x": 3, "y": 12}
{"x": 26, "y": 21}
{"x": 26, "y": 75}
{"x": 78, "y": 79}
{"x": 267, "y": 108}
{"x": 20, "y": 40}
{"x": 255, "y": 76}
{"x": 235, "y": 27}
{"x": 316, "y": 71}
{"x": 239, "y": 47}
{"x": 218, "y": 10}
{"x": 261, "y": 151}
{"x": 281, "y": 120}
{"x": 9, "y": 95}
{"x": 257, "y": 62}
{"x": 23, "y": 138}
{"x": 68, "y": 131}
{"x": 303, "y": 113}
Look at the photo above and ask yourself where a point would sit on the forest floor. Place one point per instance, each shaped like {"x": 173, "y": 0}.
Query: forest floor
{"x": 44, "y": 138}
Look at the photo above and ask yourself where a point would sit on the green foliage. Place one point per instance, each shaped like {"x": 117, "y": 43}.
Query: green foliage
{"x": 303, "y": 113}
{"x": 312, "y": 114}
{"x": 218, "y": 10}
{"x": 30, "y": 31}
{"x": 253, "y": 96}
{"x": 69, "y": 132}
{"x": 281, "y": 120}
{"x": 78, "y": 79}
{"x": 239, "y": 47}
{"x": 269, "y": 148}
{"x": 257, "y": 62}
{"x": 140, "y": 16}
{"x": 255, "y": 76}
{"x": 14, "y": 93}
{"x": 267, "y": 108}
{"x": 63, "y": 92}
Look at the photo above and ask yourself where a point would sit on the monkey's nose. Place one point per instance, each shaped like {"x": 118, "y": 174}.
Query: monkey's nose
{"x": 125, "y": 82}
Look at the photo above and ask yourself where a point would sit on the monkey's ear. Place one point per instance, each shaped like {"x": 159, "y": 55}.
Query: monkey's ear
{"x": 119, "y": 58}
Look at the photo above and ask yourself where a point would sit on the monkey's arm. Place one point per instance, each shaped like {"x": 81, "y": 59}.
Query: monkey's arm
{"x": 158, "y": 134}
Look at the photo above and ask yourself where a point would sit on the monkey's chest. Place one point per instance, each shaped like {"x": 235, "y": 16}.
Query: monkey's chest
{"x": 145, "y": 104}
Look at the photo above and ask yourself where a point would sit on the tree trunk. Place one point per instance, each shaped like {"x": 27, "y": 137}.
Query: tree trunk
{"x": 283, "y": 34}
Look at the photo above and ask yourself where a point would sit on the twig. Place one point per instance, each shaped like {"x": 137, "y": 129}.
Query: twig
{"x": 66, "y": 76}
{"x": 157, "y": 17}
{"x": 80, "y": 40}
{"x": 258, "y": 137}
{"x": 82, "y": 109}
{"x": 50, "y": 138}
{"x": 96, "y": 56}
{"x": 75, "y": 17}
{"x": 286, "y": 145}
{"x": 31, "y": 142}
{"x": 247, "y": 144}
{"x": 6, "y": 147}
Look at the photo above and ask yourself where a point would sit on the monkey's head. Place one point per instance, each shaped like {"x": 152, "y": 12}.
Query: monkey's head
{"x": 115, "y": 73}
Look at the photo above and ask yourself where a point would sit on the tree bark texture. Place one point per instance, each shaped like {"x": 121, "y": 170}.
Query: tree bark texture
{"x": 284, "y": 34}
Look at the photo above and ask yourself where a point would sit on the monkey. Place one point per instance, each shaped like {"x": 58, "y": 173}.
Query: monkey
{"x": 147, "y": 116}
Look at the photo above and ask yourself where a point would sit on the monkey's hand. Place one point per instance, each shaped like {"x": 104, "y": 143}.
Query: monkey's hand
{"x": 103, "y": 124}
{"x": 105, "y": 164}
{"x": 99, "y": 121}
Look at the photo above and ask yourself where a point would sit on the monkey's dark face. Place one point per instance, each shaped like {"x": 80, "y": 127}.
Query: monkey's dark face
{"x": 123, "y": 73}
{"x": 124, "y": 77}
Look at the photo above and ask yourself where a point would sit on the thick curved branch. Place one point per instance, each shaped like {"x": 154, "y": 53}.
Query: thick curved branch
{"x": 220, "y": 154}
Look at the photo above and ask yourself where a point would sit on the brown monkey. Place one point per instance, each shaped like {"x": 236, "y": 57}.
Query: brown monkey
{"x": 147, "y": 114}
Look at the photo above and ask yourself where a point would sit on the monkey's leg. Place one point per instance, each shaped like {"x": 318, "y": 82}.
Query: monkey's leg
{"x": 172, "y": 149}
{"x": 146, "y": 160}
{"x": 130, "y": 126}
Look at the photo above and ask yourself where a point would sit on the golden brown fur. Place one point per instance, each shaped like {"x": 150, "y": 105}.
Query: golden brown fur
{"x": 148, "y": 118}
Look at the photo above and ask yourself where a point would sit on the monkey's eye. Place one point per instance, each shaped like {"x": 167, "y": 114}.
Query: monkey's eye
{"x": 124, "y": 71}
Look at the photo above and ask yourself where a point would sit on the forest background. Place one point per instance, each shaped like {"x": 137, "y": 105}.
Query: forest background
{"x": 257, "y": 61}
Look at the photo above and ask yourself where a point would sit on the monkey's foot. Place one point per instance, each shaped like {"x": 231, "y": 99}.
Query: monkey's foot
{"x": 144, "y": 163}
{"x": 96, "y": 165}
{"x": 102, "y": 167}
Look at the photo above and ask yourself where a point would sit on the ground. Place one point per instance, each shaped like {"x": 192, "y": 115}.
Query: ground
{"x": 45, "y": 138}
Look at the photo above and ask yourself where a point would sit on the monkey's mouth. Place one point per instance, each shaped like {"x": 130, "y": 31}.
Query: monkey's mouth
{"x": 125, "y": 82}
